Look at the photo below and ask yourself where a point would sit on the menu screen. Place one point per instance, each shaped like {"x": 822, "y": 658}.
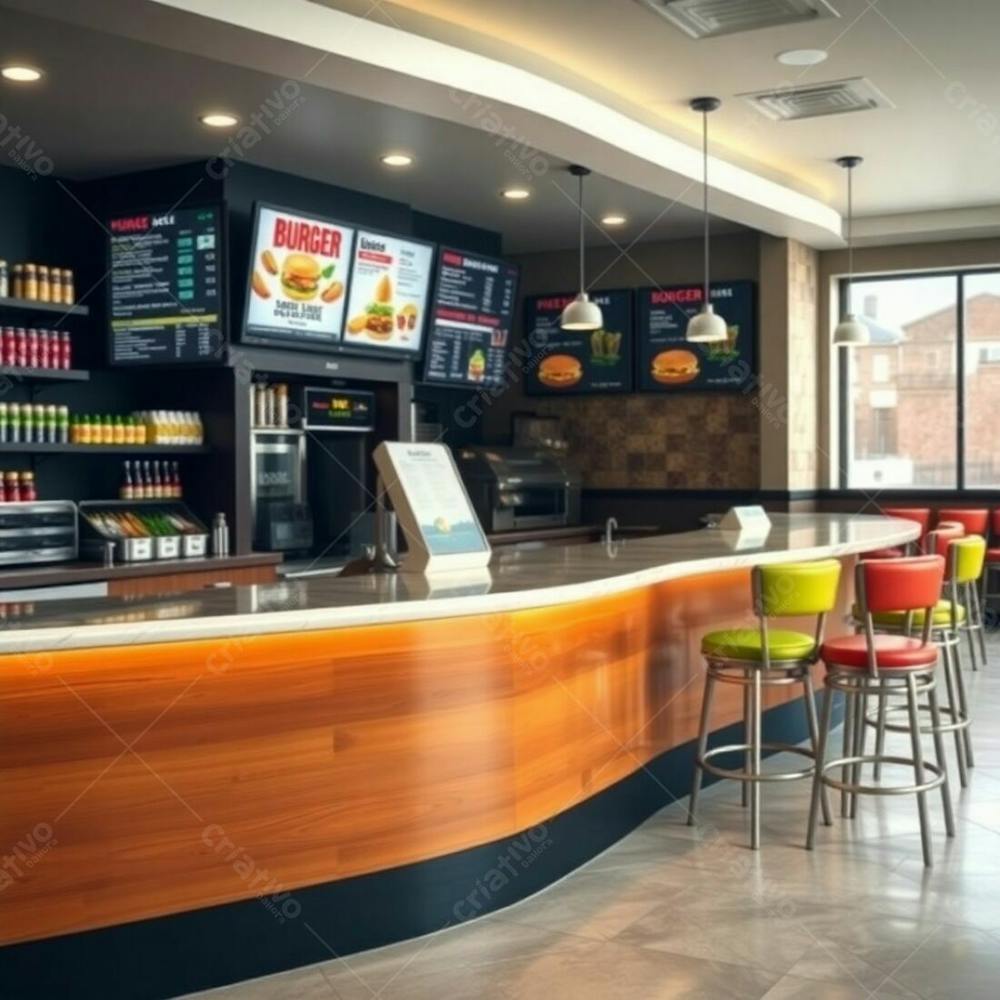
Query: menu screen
{"x": 338, "y": 409}
{"x": 166, "y": 289}
{"x": 471, "y": 316}
{"x": 298, "y": 279}
{"x": 574, "y": 361}
{"x": 386, "y": 309}
{"x": 668, "y": 363}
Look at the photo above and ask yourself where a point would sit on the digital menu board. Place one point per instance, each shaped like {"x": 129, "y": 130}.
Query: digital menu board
{"x": 577, "y": 361}
{"x": 387, "y": 303}
{"x": 470, "y": 324}
{"x": 668, "y": 363}
{"x": 166, "y": 286}
{"x": 298, "y": 279}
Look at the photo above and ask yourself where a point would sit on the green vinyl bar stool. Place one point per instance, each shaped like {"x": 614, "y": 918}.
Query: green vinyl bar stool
{"x": 964, "y": 560}
{"x": 756, "y": 658}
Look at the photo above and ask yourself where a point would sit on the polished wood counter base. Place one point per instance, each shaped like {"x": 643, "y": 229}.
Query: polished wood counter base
{"x": 153, "y": 779}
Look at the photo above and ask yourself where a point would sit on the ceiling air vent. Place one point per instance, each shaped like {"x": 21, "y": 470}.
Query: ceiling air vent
{"x": 708, "y": 18}
{"x": 787, "y": 104}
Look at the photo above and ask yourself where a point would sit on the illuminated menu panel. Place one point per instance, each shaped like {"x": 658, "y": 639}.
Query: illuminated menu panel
{"x": 471, "y": 316}
{"x": 166, "y": 286}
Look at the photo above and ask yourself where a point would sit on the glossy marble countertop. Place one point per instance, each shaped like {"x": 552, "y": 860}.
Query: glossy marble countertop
{"x": 522, "y": 578}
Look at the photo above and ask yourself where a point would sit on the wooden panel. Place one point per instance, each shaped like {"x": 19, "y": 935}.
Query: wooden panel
{"x": 180, "y": 775}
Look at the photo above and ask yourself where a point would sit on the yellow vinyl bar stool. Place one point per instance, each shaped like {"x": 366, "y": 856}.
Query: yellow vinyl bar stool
{"x": 964, "y": 561}
{"x": 756, "y": 658}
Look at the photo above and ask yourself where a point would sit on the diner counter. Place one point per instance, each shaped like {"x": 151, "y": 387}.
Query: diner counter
{"x": 515, "y": 580}
{"x": 220, "y": 784}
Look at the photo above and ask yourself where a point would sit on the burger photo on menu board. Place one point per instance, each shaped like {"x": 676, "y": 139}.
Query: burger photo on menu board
{"x": 675, "y": 367}
{"x": 390, "y": 279}
{"x": 560, "y": 371}
{"x": 298, "y": 276}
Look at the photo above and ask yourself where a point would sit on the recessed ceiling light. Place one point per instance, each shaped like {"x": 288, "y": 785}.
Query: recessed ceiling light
{"x": 613, "y": 220}
{"x": 21, "y": 74}
{"x": 515, "y": 194}
{"x": 801, "y": 57}
{"x": 397, "y": 159}
{"x": 219, "y": 119}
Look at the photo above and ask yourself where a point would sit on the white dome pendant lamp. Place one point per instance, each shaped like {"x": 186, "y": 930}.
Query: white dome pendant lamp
{"x": 851, "y": 331}
{"x": 581, "y": 313}
{"x": 705, "y": 327}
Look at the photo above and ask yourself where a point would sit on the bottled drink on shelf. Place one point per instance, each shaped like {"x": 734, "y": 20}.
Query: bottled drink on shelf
{"x": 127, "y": 489}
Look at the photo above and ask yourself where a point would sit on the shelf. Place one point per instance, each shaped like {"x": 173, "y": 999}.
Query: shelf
{"x": 35, "y": 306}
{"x": 34, "y": 448}
{"x": 47, "y": 374}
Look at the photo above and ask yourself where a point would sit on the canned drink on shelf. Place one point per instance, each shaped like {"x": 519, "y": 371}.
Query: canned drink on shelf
{"x": 22, "y": 347}
{"x": 66, "y": 354}
{"x": 8, "y": 347}
{"x": 14, "y": 426}
{"x": 32, "y": 348}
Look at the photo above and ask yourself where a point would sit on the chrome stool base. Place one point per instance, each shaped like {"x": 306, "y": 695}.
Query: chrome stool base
{"x": 753, "y": 678}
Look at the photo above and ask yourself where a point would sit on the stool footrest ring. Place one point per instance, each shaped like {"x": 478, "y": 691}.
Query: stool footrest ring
{"x": 957, "y": 724}
{"x": 743, "y": 775}
{"x": 846, "y": 786}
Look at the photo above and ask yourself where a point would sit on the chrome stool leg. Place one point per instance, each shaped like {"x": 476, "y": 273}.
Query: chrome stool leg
{"x": 883, "y": 698}
{"x": 755, "y": 762}
{"x": 848, "y": 743}
{"x": 818, "y": 787}
{"x": 949, "y": 814}
{"x": 963, "y": 709}
{"x": 858, "y": 748}
{"x": 918, "y": 769}
{"x": 980, "y": 624}
{"x": 747, "y": 711}
{"x": 813, "y": 723}
{"x": 955, "y": 710}
{"x": 968, "y": 627}
{"x": 699, "y": 754}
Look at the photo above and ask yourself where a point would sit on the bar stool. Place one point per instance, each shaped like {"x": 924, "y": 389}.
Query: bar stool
{"x": 922, "y": 515}
{"x": 992, "y": 558}
{"x": 975, "y": 520}
{"x": 757, "y": 658}
{"x": 868, "y": 664}
{"x": 963, "y": 563}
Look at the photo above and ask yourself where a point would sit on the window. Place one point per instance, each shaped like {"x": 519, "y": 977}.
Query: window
{"x": 901, "y": 420}
{"x": 919, "y": 405}
{"x": 982, "y": 379}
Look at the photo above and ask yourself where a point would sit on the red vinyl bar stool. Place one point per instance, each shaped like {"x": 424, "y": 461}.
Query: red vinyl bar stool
{"x": 975, "y": 520}
{"x": 864, "y": 665}
{"x": 922, "y": 515}
{"x": 992, "y": 558}
{"x": 963, "y": 564}
{"x": 755, "y": 658}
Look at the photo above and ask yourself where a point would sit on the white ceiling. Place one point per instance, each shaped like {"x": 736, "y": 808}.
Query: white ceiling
{"x": 112, "y": 105}
{"x": 927, "y": 56}
{"x": 127, "y": 93}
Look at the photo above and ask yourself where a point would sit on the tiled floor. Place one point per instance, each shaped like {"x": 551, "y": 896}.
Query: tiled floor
{"x": 679, "y": 912}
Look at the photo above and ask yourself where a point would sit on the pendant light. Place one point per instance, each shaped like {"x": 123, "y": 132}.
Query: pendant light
{"x": 581, "y": 313}
{"x": 705, "y": 327}
{"x": 851, "y": 331}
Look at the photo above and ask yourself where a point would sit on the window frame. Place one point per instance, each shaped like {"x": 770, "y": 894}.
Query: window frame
{"x": 844, "y": 368}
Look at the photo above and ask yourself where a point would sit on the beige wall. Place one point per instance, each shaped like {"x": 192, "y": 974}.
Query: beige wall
{"x": 692, "y": 441}
{"x": 874, "y": 260}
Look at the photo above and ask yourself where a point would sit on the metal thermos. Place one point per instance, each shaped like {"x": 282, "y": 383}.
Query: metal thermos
{"x": 220, "y": 535}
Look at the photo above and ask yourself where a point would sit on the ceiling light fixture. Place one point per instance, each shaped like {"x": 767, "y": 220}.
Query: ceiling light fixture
{"x": 705, "y": 327}
{"x": 515, "y": 194}
{"x": 21, "y": 74}
{"x": 613, "y": 220}
{"x": 397, "y": 159}
{"x": 851, "y": 331}
{"x": 581, "y": 313}
{"x": 802, "y": 57}
{"x": 219, "y": 119}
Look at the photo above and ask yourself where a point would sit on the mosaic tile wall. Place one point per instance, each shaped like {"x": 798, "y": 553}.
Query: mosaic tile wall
{"x": 646, "y": 442}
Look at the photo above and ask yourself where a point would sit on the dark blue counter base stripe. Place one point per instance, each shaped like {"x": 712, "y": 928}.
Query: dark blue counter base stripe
{"x": 169, "y": 956}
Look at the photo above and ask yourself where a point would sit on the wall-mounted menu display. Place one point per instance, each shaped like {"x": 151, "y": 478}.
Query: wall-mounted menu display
{"x": 298, "y": 279}
{"x": 574, "y": 361}
{"x": 668, "y": 363}
{"x": 167, "y": 288}
{"x": 390, "y": 280}
{"x": 471, "y": 313}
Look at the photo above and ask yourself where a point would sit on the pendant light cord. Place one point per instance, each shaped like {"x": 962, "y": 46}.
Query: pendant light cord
{"x": 704, "y": 163}
{"x": 850, "y": 231}
{"x": 580, "y": 203}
